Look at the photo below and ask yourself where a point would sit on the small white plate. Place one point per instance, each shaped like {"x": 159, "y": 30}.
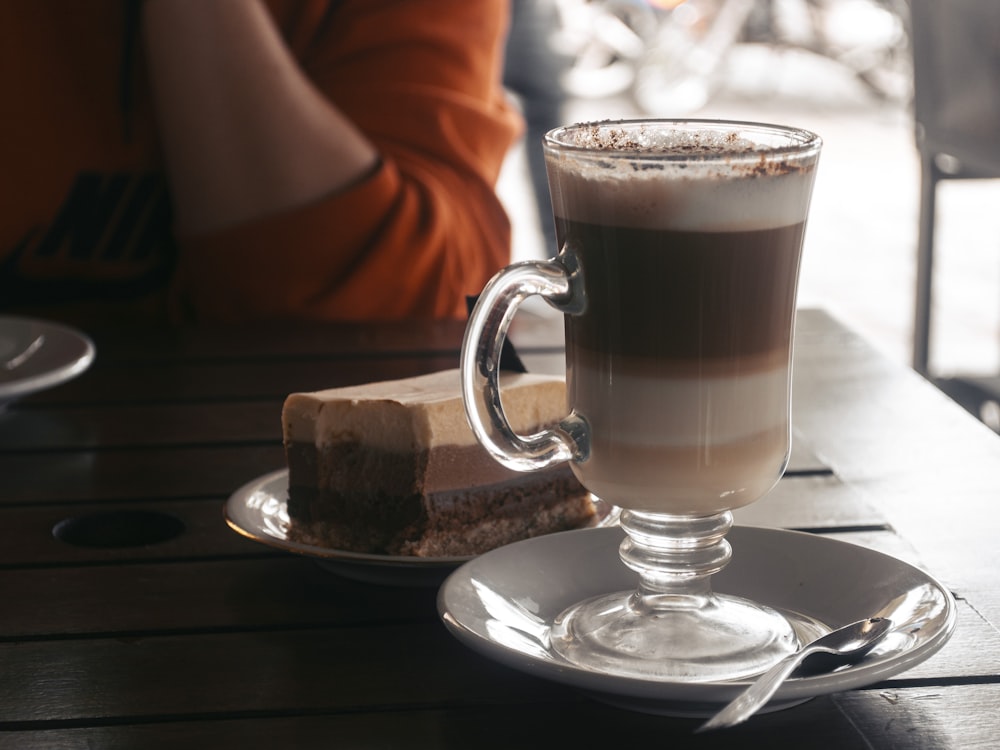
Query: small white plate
{"x": 503, "y": 603}
{"x": 37, "y": 354}
{"x": 259, "y": 510}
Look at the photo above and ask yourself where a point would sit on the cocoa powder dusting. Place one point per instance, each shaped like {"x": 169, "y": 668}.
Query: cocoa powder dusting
{"x": 601, "y": 136}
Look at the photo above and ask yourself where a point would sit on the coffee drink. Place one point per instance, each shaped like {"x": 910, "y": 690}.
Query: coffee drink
{"x": 676, "y": 276}
{"x": 679, "y": 361}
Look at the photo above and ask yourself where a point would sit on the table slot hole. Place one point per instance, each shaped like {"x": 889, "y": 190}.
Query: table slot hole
{"x": 118, "y": 529}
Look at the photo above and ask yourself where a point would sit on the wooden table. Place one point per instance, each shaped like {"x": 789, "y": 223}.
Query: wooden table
{"x": 207, "y": 639}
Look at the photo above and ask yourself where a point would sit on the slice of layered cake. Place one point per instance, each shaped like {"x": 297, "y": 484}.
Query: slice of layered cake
{"x": 393, "y": 468}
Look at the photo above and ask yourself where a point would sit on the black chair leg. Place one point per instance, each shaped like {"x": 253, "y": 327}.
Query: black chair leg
{"x": 929, "y": 176}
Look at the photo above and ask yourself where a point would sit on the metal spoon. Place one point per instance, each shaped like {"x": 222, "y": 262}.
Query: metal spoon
{"x": 842, "y": 646}
{"x": 29, "y": 351}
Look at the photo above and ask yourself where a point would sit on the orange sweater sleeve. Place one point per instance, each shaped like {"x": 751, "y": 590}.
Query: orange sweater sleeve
{"x": 421, "y": 79}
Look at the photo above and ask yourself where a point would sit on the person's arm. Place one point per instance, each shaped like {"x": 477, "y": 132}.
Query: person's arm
{"x": 245, "y": 133}
{"x": 414, "y": 230}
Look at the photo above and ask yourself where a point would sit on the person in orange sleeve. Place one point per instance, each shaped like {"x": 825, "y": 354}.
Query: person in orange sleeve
{"x": 233, "y": 160}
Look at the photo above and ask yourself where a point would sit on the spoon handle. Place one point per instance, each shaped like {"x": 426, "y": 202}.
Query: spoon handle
{"x": 743, "y": 706}
{"x": 25, "y": 355}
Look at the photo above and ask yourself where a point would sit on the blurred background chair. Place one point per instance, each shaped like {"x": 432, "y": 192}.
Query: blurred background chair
{"x": 956, "y": 56}
{"x": 533, "y": 71}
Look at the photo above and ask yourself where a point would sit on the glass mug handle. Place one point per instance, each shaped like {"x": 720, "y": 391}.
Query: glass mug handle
{"x": 559, "y": 282}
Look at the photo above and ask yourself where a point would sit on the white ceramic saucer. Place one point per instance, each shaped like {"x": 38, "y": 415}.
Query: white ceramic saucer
{"x": 502, "y": 604}
{"x": 259, "y": 510}
{"x": 36, "y": 354}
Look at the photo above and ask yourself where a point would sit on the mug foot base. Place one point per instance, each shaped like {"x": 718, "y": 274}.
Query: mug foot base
{"x": 727, "y": 638}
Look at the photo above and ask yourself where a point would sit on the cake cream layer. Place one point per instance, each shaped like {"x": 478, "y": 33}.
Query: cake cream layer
{"x": 670, "y": 412}
{"x": 414, "y": 414}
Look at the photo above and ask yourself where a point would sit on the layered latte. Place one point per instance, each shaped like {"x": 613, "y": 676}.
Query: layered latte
{"x": 679, "y": 361}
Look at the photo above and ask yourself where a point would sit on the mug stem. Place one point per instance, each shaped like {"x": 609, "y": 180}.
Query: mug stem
{"x": 675, "y": 557}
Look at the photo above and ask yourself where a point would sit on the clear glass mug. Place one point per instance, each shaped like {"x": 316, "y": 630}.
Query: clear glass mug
{"x": 680, "y": 245}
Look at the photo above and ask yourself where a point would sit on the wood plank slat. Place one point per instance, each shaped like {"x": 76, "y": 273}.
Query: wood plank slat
{"x": 338, "y": 669}
{"x": 811, "y": 502}
{"x": 179, "y": 382}
{"x": 281, "y": 592}
{"x": 496, "y": 726}
{"x": 275, "y": 340}
{"x": 926, "y": 718}
{"x": 28, "y": 539}
{"x": 127, "y": 474}
{"x": 130, "y": 426}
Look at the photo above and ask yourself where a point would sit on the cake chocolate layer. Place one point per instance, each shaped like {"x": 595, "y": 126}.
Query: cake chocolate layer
{"x": 453, "y": 522}
{"x": 352, "y": 468}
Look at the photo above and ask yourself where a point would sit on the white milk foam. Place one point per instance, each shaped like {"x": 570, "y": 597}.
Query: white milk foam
{"x": 683, "y": 412}
{"x": 746, "y": 192}
{"x": 685, "y": 445}
{"x": 688, "y": 481}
